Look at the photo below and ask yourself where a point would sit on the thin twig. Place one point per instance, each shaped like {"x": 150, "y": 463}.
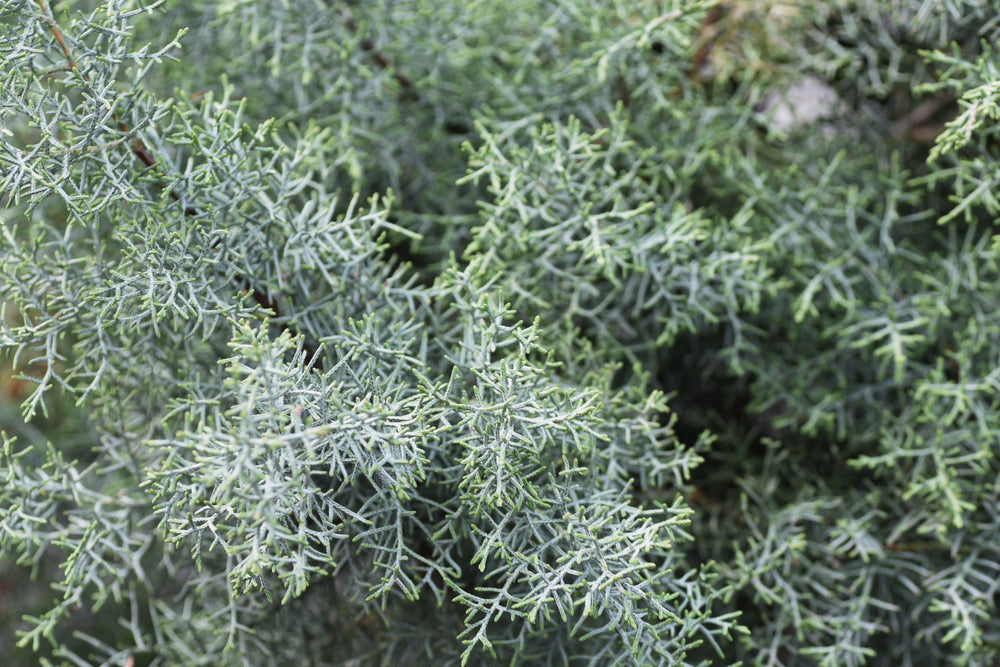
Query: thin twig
{"x": 914, "y": 125}
{"x": 368, "y": 46}
{"x": 138, "y": 148}
{"x": 146, "y": 157}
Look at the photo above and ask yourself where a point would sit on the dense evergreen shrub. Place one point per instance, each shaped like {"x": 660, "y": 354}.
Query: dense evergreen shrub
{"x": 527, "y": 332}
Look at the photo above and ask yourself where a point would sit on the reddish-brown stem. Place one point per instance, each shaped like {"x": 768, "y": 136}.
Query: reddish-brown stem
{"x": 138, "y": 148}
{"x": 145, "y": 156}
{"x": 707, "y": 31}
{"x": 368, "y": 46}
{"x": 918, "y": 125}
{"x": 57, "y": 34}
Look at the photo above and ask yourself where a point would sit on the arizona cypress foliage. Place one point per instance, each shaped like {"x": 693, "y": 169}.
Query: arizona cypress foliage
{"x": 531, "y": 332}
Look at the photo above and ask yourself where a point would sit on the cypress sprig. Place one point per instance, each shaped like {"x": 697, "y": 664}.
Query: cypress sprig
{"x": 499, "y": 333}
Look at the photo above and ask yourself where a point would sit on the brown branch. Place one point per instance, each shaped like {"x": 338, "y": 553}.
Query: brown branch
{"x": 57, "y": 34}
{"x": 146, "y": 157}
{"x": 707, "y": 32}
{"x": 368, "y": 46}
{"x": 917, "y": 125}
{"x": 137, "y": 147}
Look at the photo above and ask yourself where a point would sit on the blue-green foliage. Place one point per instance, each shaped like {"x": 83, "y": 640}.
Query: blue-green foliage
{"x": 533, "y": 332}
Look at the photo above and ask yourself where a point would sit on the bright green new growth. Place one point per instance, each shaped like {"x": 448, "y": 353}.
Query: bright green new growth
{"x": 515, "y": 333}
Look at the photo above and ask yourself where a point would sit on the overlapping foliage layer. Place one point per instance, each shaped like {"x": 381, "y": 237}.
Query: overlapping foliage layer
{"x": 534, "y": 332}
